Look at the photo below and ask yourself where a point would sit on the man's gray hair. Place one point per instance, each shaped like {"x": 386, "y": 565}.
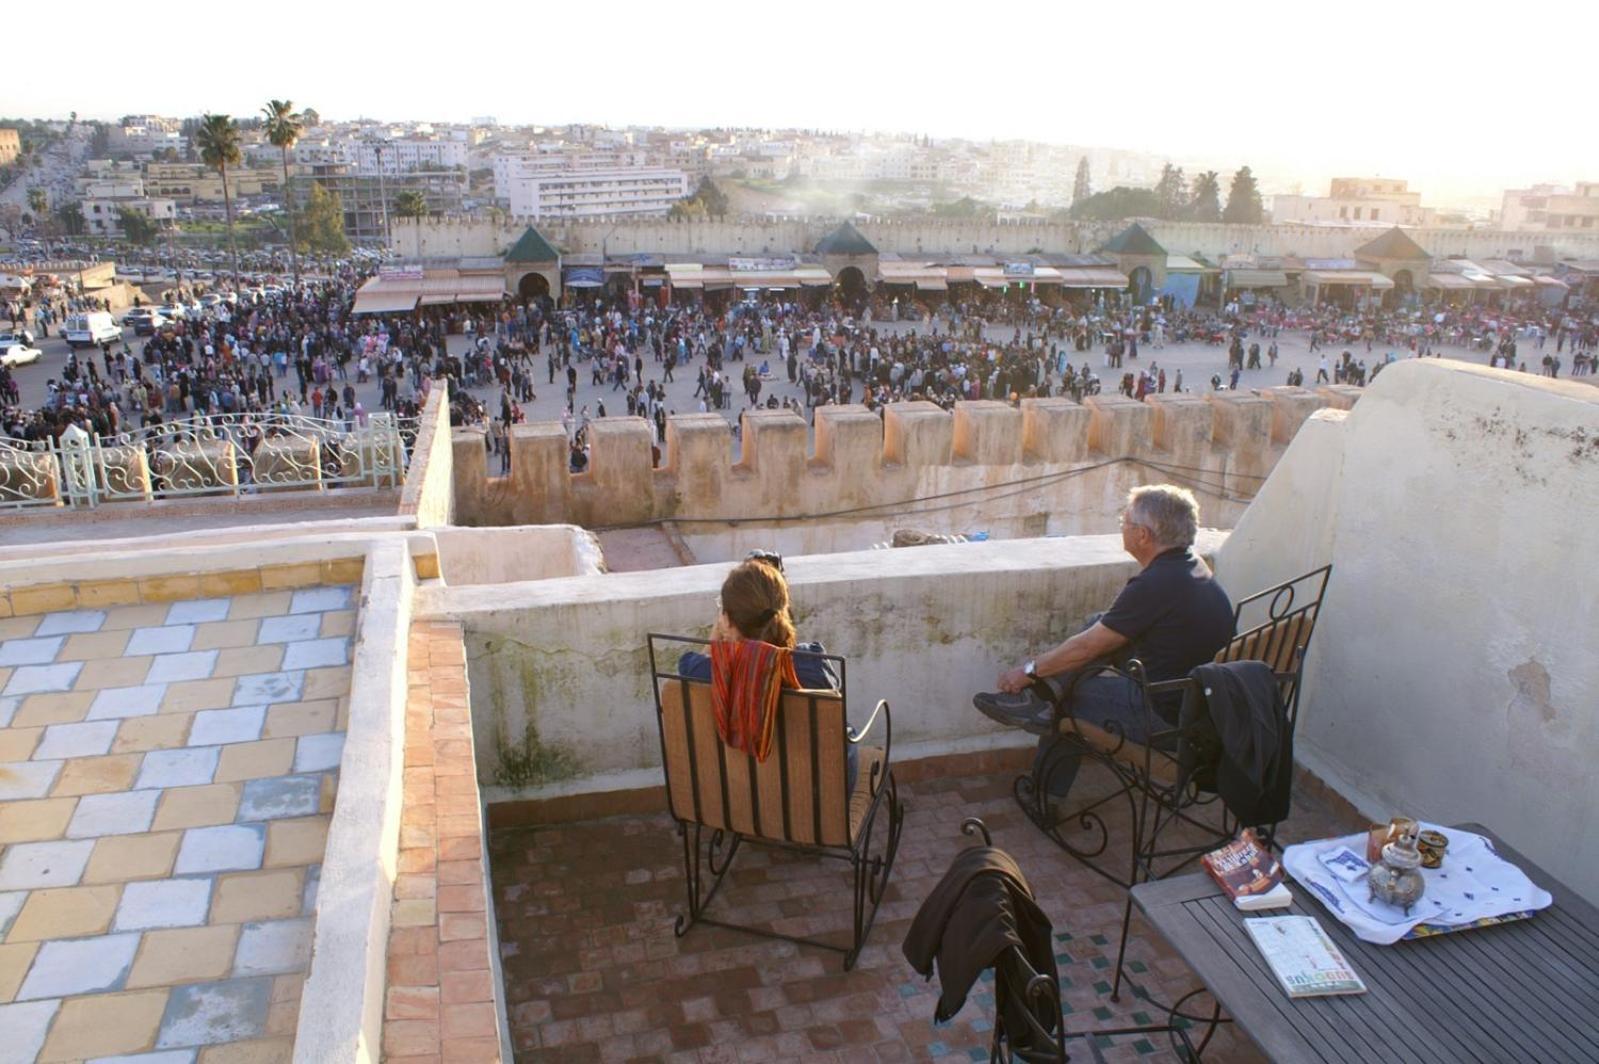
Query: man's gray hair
{"x": 1171, "y": 513}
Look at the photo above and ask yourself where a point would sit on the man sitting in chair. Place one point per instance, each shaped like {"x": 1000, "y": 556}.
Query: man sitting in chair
{"x": 1172, "y": 617}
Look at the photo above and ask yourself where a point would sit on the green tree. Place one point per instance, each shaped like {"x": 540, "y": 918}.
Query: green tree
{"x": 1243, "y": 200}
{"x": 1081, "y": 189}
{"x": 100, "y": 141}
{"x": 322, "y": 223}
{"x": 218, "y": 140}
{"x": 136, "y": 226}
{"x": 70, "y": 215}
{"x": 39, "y": 200}
{"x": 686, "y": 208}
{"x": 714, "y": 199}
{"x": 965, "y": 207}
{"x": 410, "y": 203}
{"x": 283, "y": 129}
{"x": 1116, "y": 204}
{"x": 1206, "y": 203}
{"x": 1172, "y": 192}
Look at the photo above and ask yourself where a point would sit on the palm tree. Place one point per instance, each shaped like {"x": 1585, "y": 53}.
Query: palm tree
{"x": 283, "y": 128}
{"x": 218, "y": 141}
{"x": 39, "y": 200}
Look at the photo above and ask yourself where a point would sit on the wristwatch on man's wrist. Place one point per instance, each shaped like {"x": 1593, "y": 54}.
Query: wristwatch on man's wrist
{"x": 1031, "y": 669}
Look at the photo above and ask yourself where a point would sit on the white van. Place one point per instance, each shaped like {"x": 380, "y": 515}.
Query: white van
{"x": 89, "y": 330}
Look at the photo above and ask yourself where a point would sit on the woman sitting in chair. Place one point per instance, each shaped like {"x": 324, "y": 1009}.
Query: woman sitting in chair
{"x": 753, "y": 633}
{"x": 754, "y": 606}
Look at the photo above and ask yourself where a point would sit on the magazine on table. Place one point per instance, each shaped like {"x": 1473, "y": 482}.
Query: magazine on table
{"x": 1302, "y": 957}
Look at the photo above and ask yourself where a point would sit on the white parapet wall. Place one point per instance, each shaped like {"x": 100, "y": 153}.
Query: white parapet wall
{"x": 564, "y": 661}
{"x": 1453, "y": 675}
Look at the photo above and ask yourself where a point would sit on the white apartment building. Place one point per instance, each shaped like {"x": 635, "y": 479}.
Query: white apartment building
{"x": 402, "y": 156}
{"x": 511, "y": 167}
{"x": 597, "y": 193}
{"x": 1379, "y": 201}
{"x": 144, "y": 139}
{"x": 1551, "y": 207}
{"x": 102, "y": 216}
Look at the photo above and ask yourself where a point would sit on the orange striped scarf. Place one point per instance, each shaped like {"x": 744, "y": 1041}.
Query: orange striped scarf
{"x": 746, "y": 677}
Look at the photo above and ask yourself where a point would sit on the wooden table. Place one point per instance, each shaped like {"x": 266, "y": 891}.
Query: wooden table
{"x": 1522, "y": 991}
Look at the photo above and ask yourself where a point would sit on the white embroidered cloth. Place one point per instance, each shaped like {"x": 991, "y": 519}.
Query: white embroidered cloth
{"x": 1473, "y": 884}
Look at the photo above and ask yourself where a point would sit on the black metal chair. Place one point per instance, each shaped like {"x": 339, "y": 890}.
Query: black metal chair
{"x": 1167, "y": 782}
{"x": 799, "y": 799}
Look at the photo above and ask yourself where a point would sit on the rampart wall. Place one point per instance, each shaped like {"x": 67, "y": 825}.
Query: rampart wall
{"x": 1049, "y": 466}
{"x": 445, "y": 237}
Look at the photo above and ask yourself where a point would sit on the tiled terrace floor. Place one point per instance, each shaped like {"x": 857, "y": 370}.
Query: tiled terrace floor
{"x": 593, "y": 972}
{"x": 167, "y": 774}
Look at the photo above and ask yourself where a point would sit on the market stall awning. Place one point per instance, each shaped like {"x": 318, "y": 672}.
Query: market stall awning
{"x": 1453, "y": 282}
{"x": 1513, "y": 280}
{"x": 377, "y": 298}
{"x": 1092, "y": 277}
{"x": 1257, "y": 279}
{"x": 480, "y": 289}
{"x": 1363, "y": 278}
{"x": 1551, "y": 282}
{"x": 1187, "y": 264}
{"x": 909, "y": 273}
{"x": 997, "y": 277}
{"x": 932, "y": 284}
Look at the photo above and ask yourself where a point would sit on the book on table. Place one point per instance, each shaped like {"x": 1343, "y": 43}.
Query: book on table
{"x": 1302, "y": 957}
{"x": 1249, "y": 873}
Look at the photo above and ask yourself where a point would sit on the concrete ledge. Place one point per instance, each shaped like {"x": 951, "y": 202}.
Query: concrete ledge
{"x": 341, "y": 1012}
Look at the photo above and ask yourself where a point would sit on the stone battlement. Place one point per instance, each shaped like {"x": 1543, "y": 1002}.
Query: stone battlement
{"x": 1048, "y": 461}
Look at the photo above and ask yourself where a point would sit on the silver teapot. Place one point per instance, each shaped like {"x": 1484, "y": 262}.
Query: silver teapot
{"x": 1396, "y": 879}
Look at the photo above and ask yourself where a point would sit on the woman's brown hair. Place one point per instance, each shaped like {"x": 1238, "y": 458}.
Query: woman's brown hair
{"x": 755, "y": 599}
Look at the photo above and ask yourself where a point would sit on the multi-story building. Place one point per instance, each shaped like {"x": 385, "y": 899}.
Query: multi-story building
{"x": 1551, "y": 207}
{"x": 597, "y": 193}
{"x": 198, "y": 183}
{"x": 1380, "y": 201}
{"x": 368, "y": 200}
{"x": 102, "y": 215}
{"x": 144, "y": 135}
{"x": 511, "y": 167}
{"x": 10, "y": 146}
{"x": 399, "y": 156}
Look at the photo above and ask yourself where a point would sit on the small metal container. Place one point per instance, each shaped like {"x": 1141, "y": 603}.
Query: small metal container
{"x": 1432, "y": 845}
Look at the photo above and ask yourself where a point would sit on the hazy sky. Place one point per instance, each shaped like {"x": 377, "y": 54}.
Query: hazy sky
{"x": 1460, "y": 97}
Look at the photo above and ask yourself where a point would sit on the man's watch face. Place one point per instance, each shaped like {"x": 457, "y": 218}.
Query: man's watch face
{"x": 1031, "y": 669}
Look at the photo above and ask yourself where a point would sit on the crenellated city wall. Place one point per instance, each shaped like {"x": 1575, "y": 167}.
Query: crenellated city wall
{"x": 1047, "y": 467}
{"x": 448, "y": 237}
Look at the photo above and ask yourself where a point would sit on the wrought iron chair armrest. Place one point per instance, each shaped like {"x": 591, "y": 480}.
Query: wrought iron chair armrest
{"x": 855, "y": 735}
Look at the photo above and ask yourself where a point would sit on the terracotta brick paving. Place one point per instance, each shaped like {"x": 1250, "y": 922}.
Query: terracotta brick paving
{"x": 440, "y": 1005}
{"x": 593, "y": 972}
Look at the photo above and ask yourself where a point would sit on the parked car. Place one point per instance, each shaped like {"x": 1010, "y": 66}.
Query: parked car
{"x": 20, "y": 336}
{"x": 18, "y": 354}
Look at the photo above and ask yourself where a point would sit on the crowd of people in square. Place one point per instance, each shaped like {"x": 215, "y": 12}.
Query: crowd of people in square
{"x": 304, "y": 353}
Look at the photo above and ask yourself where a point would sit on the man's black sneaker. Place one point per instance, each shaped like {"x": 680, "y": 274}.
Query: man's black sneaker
{"x": 1023, "y": 710}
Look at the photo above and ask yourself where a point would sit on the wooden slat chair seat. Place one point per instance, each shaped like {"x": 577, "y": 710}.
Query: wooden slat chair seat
{"x": 799, "y": 798}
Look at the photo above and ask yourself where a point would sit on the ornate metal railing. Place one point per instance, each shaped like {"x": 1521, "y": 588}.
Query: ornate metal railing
{"x": 223, "y": 454}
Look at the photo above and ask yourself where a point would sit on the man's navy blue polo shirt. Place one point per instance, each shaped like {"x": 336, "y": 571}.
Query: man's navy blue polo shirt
{"x": 1173, "y": 613}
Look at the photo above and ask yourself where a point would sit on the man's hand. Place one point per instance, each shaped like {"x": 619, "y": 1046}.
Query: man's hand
{"x": 1014, "y": 680}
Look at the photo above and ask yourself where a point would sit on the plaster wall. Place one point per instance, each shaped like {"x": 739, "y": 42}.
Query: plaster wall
{"x": 461, "y": 237}
{"x": 1050, "y": 467}
{"x": 428, "y": 494}
{"x": 566, "y": 660}
{"x": 514, "y": 555}
{"x": 1452, "y": 676}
